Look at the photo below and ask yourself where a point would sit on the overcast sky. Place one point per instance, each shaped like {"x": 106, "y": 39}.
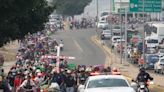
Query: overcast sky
{"x": 90, "y": 10}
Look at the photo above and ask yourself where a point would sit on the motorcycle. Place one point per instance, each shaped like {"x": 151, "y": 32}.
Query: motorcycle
{"x": 141, "y": 86}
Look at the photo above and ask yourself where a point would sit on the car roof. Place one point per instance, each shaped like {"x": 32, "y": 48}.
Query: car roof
{"x": 107, "y": 77}
{"x": 116, "y": 37}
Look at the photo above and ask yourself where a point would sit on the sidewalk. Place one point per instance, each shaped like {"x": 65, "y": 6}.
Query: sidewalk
{"x": 128, "y": 69}
{"x": 9, "y": 51}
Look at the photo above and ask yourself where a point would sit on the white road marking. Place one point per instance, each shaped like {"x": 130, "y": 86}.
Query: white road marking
{"x": 78, "y": 46}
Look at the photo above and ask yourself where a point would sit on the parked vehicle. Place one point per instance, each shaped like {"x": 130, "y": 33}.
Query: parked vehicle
{"x": 150, "y": 60}
{"x": 106, "y": 34}
{"x": 159, "y": 66}
{"x": 161, "y": 52}
{"x": 114, "y": 40}
{"x": 102, "y": 24}
{"x": 120, "y": 44}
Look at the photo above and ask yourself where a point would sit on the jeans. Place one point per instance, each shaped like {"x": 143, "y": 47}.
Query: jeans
{"x": 69, "y": 89}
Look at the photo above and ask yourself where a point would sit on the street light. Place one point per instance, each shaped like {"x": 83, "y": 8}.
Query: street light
{"x": 143, "y": 11}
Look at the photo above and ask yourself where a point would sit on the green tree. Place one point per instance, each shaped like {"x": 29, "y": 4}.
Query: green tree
{"x": 18, "y": 17}
{"x": 71, "y": 7}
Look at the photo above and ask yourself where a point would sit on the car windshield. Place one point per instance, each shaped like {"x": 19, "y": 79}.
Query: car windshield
{"x": 116, "y": 38}
{"x": 150, "y": 50}
{"x": 107, "y": 31}
{"x": 117, "y": 27}
{"x": 153, "y": 58}
{"x": 152, "y": 41}
{"x": 102, "y": 22}
{"x": 116, "y": 34}
{"x": 107, "y": 83}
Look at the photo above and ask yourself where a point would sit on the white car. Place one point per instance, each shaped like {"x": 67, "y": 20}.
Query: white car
{"x": 159, "y": 66}
{"x": 106, "y": 34}
{"x": 161, "y": 52}
{"x": 106, "y": 83}
{"x": 102, "y": 24}
{"x": 114, "y": 40}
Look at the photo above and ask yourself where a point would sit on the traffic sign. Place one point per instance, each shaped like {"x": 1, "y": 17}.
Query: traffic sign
{"x": 149, "y": 5}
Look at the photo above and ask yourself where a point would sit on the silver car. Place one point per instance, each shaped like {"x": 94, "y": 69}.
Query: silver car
{"x": 106, "y": 34}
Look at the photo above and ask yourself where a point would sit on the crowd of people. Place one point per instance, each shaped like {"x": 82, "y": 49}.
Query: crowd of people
{"x": 33, "y": 72}
{"x": 36, "y": 68}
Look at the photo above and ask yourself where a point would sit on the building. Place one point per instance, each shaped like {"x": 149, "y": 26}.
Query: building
{"x": 116, "y": 5}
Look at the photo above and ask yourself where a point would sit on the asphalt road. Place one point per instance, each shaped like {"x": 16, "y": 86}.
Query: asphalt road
{"x": 78, "y": 43}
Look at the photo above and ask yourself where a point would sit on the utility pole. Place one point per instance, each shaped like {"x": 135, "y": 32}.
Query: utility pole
{"x": 121, "y": 33}
{"x": 143, "y": 49}
{"x": 126, "y": 11}
{"x": 111, "y": 25}
{"x": 97, "y": 17}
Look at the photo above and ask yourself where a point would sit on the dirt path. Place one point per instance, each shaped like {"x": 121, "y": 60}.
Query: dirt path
{"x": 9, "y": 51}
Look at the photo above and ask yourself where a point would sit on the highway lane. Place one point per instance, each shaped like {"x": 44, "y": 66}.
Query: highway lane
{"x": 78, "y": 43}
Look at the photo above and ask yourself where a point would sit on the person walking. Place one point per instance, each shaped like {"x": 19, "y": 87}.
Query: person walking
{"x": 70, "y": 82}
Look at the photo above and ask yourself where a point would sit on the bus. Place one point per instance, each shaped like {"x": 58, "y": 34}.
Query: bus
{"x": 155, "y": 29}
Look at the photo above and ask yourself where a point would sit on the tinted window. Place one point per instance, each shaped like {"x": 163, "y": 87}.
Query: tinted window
{"x": 104, "y": 13}
{"x": 116, "y": 34}
{"x": 107, "y": 31}
{"x": 153, "y": 58}
{"x": 107, "y": 83}
{"x": 116, "y": 38}
{"x": 117, "y": 27}
{"x": 152, "y": 41}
